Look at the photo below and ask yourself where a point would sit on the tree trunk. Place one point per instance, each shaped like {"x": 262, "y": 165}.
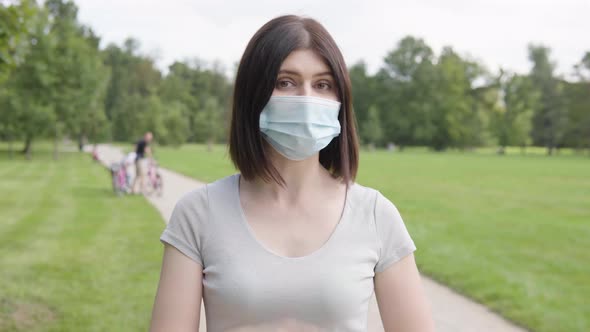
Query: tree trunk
{"x": 550, "y": 150}
{"x": 81, "y": 142}
{"x": 56, "y": 143}
{"x": 27, "y": 149}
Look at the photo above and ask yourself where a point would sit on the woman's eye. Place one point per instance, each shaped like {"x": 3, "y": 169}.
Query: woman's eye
{"x": 324, "y": 86}
{"x": 284, "y": 84}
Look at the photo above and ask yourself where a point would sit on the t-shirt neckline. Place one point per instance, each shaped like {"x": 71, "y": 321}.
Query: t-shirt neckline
{"x": 260, "y": 245}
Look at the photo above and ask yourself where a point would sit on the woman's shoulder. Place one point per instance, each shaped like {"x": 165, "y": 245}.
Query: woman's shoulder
{"x": 200, "y": 197}
{"x": 369, "y": 197}
{"x": 362, "y": 194}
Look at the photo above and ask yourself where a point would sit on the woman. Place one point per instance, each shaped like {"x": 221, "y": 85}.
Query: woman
{"x": 290, "y": 243}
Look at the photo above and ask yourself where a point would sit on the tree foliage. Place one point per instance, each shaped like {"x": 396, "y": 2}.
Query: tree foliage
{"x": 56, "y": 81}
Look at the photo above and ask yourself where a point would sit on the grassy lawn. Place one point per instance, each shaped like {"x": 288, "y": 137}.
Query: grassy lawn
{"x": 196, "y": 161}
{"x": 73, "y": 257}
{"x": 510, "y": 231}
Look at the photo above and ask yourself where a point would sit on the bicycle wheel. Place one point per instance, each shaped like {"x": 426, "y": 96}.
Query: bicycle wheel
{"x": 159, "y": 185}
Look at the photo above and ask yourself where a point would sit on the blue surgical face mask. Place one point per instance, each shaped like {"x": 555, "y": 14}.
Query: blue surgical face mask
{"x": 299, "y": 126}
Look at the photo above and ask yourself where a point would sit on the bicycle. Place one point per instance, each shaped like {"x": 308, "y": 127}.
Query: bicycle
{"x": 155, "y": 183}
{"x": 120, "y": 178}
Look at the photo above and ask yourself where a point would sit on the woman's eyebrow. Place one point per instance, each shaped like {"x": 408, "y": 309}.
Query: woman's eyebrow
{"x": 326, "y": 73}
{"x": 292, "y": 72}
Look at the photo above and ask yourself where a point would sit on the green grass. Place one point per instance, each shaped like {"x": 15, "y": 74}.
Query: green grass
{"x": 510, "y": 231}
{"x": 73, "y": 257}
{"x": 196, "y": 161}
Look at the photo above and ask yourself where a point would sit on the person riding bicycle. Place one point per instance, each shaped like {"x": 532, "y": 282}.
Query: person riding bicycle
{"x": 142, "y": 149}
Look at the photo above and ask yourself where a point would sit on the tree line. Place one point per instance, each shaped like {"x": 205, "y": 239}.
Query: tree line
{"x": 449, "y": 101}
{"x": 56, "y": 81}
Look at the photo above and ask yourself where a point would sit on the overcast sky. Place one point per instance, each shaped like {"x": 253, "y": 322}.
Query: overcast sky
{"x": 496, "y": 32}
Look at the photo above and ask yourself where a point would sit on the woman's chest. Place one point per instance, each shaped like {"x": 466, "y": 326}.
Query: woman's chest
{"x": 331, "y": 285}
{"x": 292, "y": 232}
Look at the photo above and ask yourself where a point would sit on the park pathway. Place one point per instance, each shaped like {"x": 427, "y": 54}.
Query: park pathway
{"x": 452, "y": 312}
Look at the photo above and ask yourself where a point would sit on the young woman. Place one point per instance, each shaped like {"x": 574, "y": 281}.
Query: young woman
{"x": 291, "y": 243}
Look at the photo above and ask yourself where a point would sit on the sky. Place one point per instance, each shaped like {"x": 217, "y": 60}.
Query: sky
{"x": 494, "y": 32}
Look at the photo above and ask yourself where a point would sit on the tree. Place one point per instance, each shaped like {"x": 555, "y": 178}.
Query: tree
{"x": 205, "y": 92}
{"x": 459, "y": 116}
{"x": 371, "y": 130}
{"x": 511, "y": 121}
{"x": 550, "y": 116}
{"x": 406, "y": 93}
{"x": 582, "y": 69}
{"x": 79, "y": 74}
{"x": 128, "y": 122}
{"x": 175, "y": 125}
{"x": 577, "y": 96}
{"x": 17, "y": 21}
{"x": 577, "y": 102}
{"x": 209, "y": 122}
{"x": 429, "y": 101}
{"x": 28, "y": 96}
{"x": 132, "y": 81}
{"x": 364, "y": 91}
{"x": 181, "y": 86}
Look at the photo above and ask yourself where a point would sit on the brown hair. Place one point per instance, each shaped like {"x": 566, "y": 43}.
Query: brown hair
{"x": 255, "y": 82}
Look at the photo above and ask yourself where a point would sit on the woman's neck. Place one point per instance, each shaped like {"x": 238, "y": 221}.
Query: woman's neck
{"x": 301, "y": 178}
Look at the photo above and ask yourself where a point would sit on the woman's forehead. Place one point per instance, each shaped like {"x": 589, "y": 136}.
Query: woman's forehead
{"x": 305, "y": 62}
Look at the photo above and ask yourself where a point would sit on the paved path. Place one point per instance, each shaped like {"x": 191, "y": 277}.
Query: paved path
{"x": 452, "y": 312}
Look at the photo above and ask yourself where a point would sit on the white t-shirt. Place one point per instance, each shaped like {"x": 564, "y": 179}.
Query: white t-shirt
{"x": 130, "y": 158}
{"x": 248, "y": 288}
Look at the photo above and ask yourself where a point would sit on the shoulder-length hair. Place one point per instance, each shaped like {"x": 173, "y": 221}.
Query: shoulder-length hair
{"x": 254, "y": 85}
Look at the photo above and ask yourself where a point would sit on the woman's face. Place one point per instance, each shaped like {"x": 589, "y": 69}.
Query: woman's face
{"x": 304, "y": 73}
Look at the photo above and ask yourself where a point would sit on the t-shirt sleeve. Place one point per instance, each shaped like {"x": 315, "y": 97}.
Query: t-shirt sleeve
{"x": 186, "y": 229}
{"x": 395, "y": 241}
